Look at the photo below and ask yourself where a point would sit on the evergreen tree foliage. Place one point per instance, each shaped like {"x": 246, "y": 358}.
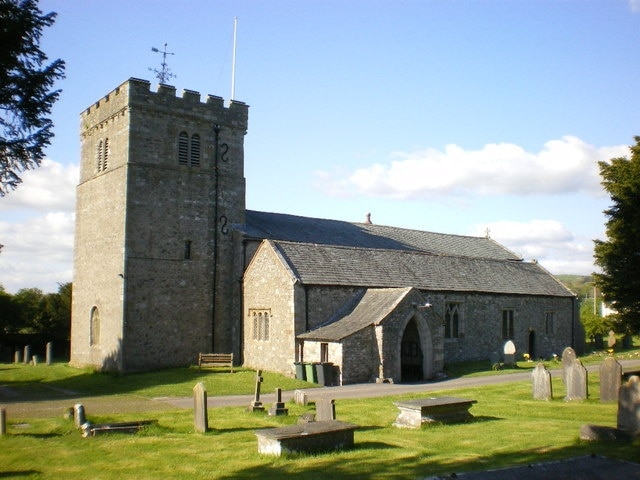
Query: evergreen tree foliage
{"x": 26, "y": 90}
{"x": 619, "y": 255}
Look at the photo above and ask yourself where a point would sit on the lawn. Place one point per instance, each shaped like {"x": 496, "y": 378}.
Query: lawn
{"x": 509, "y": 429}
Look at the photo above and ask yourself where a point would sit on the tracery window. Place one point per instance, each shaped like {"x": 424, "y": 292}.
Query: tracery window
{"x": 260, "y": 320}
{"x": 102, "y": 155}
{"x": 452, "y": 320}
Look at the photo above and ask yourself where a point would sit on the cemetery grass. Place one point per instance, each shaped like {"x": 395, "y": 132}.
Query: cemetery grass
{"x": 509, "y": 429}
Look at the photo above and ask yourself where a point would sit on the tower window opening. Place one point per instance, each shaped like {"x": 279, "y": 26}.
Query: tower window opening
{"x": 183, "y": 148}
{"x": 195, "y": 151}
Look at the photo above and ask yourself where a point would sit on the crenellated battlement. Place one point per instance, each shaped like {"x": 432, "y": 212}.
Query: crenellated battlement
{"x": 137, "y": 92}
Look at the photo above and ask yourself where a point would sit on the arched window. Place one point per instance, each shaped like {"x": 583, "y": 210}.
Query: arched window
{"x": 99, "y": 149}
{"x": 195, "y": 150}
{"x": 105, "y": 160}
{"x": 94, "y": 327}
{"x": 183, "y": 148}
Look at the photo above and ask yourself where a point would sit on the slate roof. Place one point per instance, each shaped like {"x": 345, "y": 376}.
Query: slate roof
{"x": 292, "y": 228}
{"x": 367, "y": 308}
{"x": 315, "y": 264}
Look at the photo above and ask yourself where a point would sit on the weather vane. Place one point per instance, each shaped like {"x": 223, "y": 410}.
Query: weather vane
{"x": 164, "y": 74}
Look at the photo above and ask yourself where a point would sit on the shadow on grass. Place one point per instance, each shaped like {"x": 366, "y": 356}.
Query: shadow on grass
{"x": 335, "y": 464}
{"x": 19, "y": 473}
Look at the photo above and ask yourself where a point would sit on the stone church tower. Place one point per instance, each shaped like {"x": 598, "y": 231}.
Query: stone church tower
{"x": 157, "y": 270}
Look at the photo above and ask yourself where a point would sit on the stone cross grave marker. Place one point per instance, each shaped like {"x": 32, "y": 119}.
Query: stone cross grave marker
{"x": 568, "y": 357}
{"x": 79, "y": 415}
{"x": 541, "y": 379}
{"x": 576, "y": 381}
{"x": 325, "y": 409}
{"x": 629, "y": 406}
{"x": 256, "y": 404}
{"x": 610, "y": 379}
{"x": 200, "y": 416}
{"x": 278, "y": 408}
{"x": 509, "y": 353}
{"x": 49, "y": 353}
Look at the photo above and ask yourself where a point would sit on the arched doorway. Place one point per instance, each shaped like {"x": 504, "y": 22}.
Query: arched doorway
{"x": 411, "y": 356}
{"x": 532, "y": 344}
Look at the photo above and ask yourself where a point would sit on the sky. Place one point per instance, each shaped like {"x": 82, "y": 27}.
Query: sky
{"x": 465, "y": 117}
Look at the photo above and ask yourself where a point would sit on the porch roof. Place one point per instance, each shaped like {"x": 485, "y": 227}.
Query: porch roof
{"x": 368, "y": 307}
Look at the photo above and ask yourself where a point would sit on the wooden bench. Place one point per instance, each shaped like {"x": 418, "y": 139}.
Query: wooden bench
{"x": 308, "y": 437}
{"x": 215, "y": 360}
{"x": 416, "y": 413}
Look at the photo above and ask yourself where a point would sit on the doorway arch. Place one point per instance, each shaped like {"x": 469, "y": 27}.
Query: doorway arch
{"x": 532, "y": 344}
{"x": 411, "y": 355}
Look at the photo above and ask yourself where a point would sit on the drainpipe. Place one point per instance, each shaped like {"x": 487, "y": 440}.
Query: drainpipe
{"x": 216, "y": 131}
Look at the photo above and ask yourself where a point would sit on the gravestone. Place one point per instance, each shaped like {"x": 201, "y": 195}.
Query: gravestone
{"x": 200, "y": 417}
{"x": 256, "y": 404}
{"x": 541, "y": 379}
{"x": 300, "y": 397}
{"x": 278, "y": 407}
{"x": 17, "y": 357}
{"x": 27, "y": 354}
{"x": 576, "y": 381}
{"x": 568, "y": 357}
{"x": 509, "y": 351}
{"x": 325, "y": 409}
{"x": 629, "y": 406}
{"x": 611, "y": 339}
{"x": 49, "y": 353}
{"x": 610, "y": 379}
{"x": 78, "y": 415}
{"x": 3, "y": 421}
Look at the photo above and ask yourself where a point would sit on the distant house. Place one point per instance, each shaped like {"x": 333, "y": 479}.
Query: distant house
{"x": 383, "y": 303}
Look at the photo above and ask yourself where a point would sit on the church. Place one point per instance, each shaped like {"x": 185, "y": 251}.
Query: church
{"x": 169, "y": 263}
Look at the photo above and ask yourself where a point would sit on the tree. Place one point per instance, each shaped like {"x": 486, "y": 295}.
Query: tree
{"x": 26, "y": 94}
{"x": 619, "y": 255}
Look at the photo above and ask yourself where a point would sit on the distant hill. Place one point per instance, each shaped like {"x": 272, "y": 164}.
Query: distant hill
{"x": 581, "y": 285}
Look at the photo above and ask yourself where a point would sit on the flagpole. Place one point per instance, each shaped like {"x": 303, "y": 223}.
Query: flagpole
{"x": 233, "y": 62}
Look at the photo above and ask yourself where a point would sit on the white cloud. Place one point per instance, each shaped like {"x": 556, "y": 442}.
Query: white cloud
{"x": 567, "y": 165}
{"x": 52, "y": 186}
{"x": 547, "y": 241}
{"x": 634, "y": 5}
{"x": 37, "y": 228}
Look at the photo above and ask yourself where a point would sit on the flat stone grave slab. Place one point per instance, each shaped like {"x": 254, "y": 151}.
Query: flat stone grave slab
{"x": 415, "y": 413}
{"x": 309, "y": 437}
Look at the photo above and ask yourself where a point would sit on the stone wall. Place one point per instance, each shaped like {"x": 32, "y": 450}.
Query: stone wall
{"x": 269, "y": 287}
{"x": 159, "y": 223}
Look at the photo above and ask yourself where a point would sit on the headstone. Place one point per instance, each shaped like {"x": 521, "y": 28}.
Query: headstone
{"x": 610, "y": 379}
{"x": 325, "y": 409}
{"x": 494, "y": 358}
{"x": 576, "y": 381}
{"x": 300, "y": 397}
{"x": 541, "y": 379}
{"x": 256, "y": 404}
{"x": 35, "y": 360}
{"x": 200, "y": 417}
{"x": 79, "y": 415}
{"x": 67, "y": 413}
{"x": 278, "y": 408}
{"x": 611, "y": 339}
{"x": 17, "y": 357}
{"x": 629, "y": 405}
{"x": 509, "y": 351}
{"x": 49, "y": 354}
{"x": 568, "y": 357}
{"x": 307, "y": 417}
{"x": 27, "y": 354}
{"x": 3, "y": 421}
